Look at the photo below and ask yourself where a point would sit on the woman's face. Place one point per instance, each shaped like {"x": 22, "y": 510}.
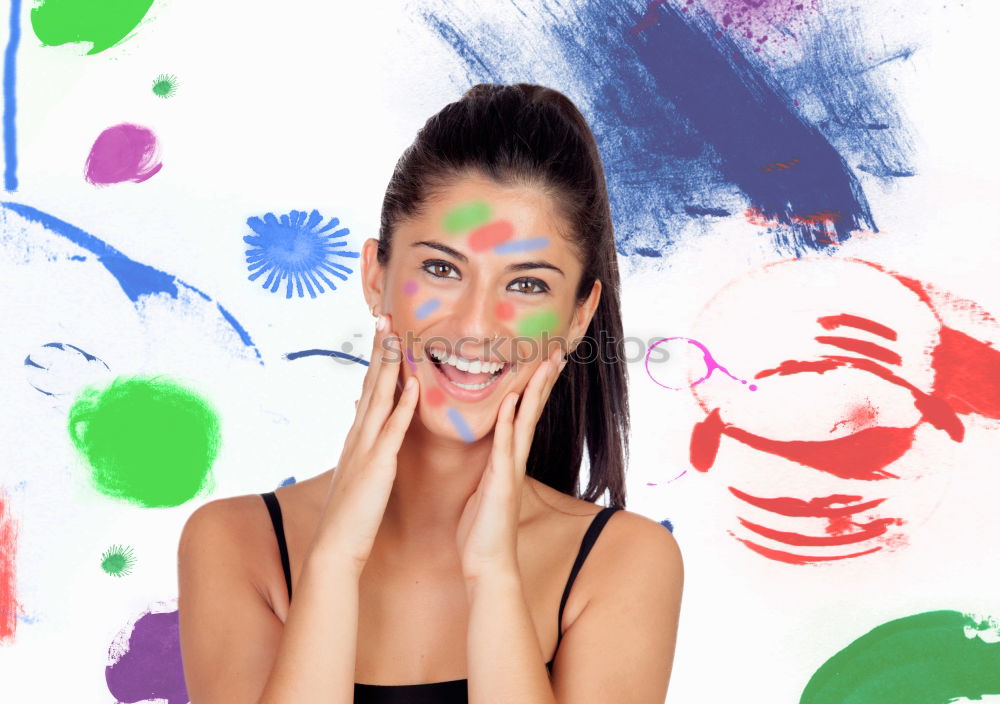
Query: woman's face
{"x": 483, "y": 281}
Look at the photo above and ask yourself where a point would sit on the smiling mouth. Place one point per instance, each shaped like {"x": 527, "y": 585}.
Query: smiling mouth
{"x": 464, "y": 379}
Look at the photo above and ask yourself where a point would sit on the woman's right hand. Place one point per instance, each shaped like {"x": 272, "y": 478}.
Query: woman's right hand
{"x": 363, "y": 477}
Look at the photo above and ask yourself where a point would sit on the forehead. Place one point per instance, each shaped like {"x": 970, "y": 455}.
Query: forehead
{"x": 474, "y": 200}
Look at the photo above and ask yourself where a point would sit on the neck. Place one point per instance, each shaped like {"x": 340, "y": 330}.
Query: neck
{"x": 435, "y": 476}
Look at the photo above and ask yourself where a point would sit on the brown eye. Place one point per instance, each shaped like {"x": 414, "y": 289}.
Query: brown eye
{"x": 530, "y": 286}
{"x": 439, "y": 269}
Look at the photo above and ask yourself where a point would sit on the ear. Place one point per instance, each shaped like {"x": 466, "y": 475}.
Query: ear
{"x": 584, "y": 314}
{"x": 372, "y": 274}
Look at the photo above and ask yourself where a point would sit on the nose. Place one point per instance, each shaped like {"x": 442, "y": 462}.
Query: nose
{"x": 478, "y": 318}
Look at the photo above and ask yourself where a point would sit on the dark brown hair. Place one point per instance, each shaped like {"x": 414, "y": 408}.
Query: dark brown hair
{"x": 531, "y": 134}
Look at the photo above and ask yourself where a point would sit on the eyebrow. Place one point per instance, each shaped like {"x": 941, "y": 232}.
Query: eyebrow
{"x": 520, "y": 266}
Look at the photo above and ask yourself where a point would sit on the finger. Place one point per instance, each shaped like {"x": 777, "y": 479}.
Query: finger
{"x": 391, "y": 437}
{"x": 535, "y": 396}
{"x": 373, "y": 366}
{"x": 383, "y": 394}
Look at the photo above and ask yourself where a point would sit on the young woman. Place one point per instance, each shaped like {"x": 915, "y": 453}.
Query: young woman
{"x": 448, "y": 556}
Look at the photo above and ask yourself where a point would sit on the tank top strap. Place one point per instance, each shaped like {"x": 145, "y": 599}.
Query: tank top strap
{"x": 274, "y": 508}
{"x": 589, "y": 538}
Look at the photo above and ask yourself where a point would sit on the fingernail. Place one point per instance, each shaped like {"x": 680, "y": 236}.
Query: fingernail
{"x": 380, "y": 322}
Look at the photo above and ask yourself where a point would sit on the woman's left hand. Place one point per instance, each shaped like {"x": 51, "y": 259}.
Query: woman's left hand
{"x": 487, "y": 529}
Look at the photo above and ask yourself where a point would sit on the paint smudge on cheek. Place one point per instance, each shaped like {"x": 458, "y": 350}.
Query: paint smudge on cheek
{"x": 522, "y": 245}
{"x": 434, "y": 397}
{"x": 487, "y": 236}
{"x": 148, "y": 441}
{"x": 409, "y": 361}
{"x": 935, "y": 656}
{"x": 504, "y": 310}
{"x": 538, "y": 324}
{"x": 123, "y": 153}
{"x": 464, "y": 431}
{"x": 410, "y": 287}
{"x": 426, "y": 308}
{"x": 466, "y": 216}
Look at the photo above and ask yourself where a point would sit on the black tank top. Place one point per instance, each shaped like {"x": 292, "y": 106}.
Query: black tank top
{"x": 450, "y": 691}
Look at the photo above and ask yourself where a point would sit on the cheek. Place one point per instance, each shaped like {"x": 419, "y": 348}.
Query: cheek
{"x": 538, "y": 323}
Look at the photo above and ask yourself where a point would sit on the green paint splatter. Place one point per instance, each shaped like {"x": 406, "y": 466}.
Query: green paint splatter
{"x": 103, "y": 22}
{"x": 537, "y": 324}
{"x": 165, "y": 85}
{"x": 118, "y": 561}
{"x": 467, "y": 216}
{"x": 929, "y": 658}
{"x": 149, "y": 441}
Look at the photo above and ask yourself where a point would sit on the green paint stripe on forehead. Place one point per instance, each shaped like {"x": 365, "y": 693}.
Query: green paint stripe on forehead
{"x": 467, "y": 216}
{"x": 535, "y": 324}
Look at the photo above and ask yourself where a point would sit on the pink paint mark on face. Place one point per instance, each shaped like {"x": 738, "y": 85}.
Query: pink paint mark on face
{"x": 434, "y": 396}
{"x": 123, "y": 153}
{"x": 410, "y": 288}
{"x": 505, "y": 310}
{"x": 489, "y": 236}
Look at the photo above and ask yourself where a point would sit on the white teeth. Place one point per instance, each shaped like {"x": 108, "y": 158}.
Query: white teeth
{"x": 474, "y": 387}
{"x": 472, "y": 366}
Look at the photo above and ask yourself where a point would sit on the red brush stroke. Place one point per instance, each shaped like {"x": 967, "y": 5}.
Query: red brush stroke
{"x": 868, "y": 531}
{"x": 861, "y": 455}
{"x": 489, "y": 236}
{"x": 818, "y": 507}
{"x": 829, "y": 322}
{"x": 799, "y": 559}
{"x": 8, "y": 552}
{"x": 869, "y": 349}
{"x": 967, "y": 374}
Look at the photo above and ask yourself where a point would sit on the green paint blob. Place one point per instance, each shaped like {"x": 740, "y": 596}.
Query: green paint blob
{"x": 922, "y": 659}
{"x": 537, "y": 324}
{"x": 103, "y": 22}
{"x": 165, "y": 85}
{"x": 149, "y": 441}
{"x": 118, "y": 561}
{"x": 467, "y": 216}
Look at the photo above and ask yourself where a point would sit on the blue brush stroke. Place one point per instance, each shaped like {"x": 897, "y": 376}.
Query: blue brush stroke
{"x": 29, "y": 362}
{"x": 515, "y": 246}
{"x": 426, "y": 308}
{"x": 10, "y": 97}
{"x": 460, "y": 425}
{"x": 287, "y": 482}
{"x": 667, "y": 524}
{"x": 325, "y": 353}
{"x": 686, "y": 116}
{"x": 135, "y": 279}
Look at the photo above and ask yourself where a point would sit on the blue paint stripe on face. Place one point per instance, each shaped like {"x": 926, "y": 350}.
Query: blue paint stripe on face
{"x": 522, "y": 245}
{"x": 426, "y": 308}
{"x": 460, "y": 425}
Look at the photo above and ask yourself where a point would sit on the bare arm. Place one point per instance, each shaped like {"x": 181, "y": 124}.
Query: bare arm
{"x": 234, "y": 648}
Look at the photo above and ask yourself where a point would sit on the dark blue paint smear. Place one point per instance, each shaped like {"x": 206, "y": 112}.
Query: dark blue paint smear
{"x": 667, "y": 524}
{"x": 136, "y": 279}
{"x": 10, "y": 97}
{"x": 683, "y": 113}
{"x": 325, "y": 353}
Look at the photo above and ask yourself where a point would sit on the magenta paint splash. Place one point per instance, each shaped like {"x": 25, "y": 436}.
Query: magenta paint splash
{"x": 710, "y": 364}
{"x": 760, "y": 21}
{"x": 121, "y": 153}
{"x": 145, "y": 661}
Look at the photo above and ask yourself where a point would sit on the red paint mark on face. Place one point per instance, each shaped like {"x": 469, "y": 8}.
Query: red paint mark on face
{"x": 410, "y": 288}
{"x": 434, "y": 396}
{"x": 8, "y": 551}
{"x": 505, "y": 310}
{"x": 489, "y": 236}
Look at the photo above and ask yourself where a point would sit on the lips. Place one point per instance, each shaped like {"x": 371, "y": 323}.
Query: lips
{"x": 448, "y": 376}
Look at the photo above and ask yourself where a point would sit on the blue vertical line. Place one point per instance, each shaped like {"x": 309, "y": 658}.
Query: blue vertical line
{"x": 10, "y": 97}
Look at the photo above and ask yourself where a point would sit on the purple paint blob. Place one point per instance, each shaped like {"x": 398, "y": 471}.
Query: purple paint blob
{"x": 761, "y": 20}
{"x": 410, "y": 288}
{"x": 146, "y": 662}
{"x": 121, "y": 153}
{"x": 710, "y": 364}
{"x": 409, "y": 361}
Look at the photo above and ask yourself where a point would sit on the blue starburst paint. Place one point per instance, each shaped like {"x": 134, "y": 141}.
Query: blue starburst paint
{"x": 135, "y": 279}
{"x": 295, "y": 249}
